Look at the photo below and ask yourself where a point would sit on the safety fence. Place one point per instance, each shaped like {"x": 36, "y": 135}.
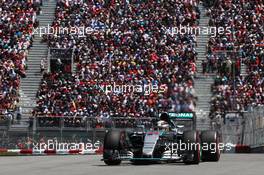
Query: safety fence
{"x": 85, "y": 131}
{"x": 231, "y": 128}
{"x": 68, "y": 130}
{"x": 237, "y": 128}
{"x": 48, "y": 142}
{"x": 84, "y": 123}
{"x": 254, "y": 127}
{"x": 244, "y": 129}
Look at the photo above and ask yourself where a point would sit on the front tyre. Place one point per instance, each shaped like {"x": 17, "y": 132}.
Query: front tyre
{"x": 113, "y": 142}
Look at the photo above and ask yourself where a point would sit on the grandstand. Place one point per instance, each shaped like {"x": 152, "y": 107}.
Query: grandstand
{"x": 58, "y": 73}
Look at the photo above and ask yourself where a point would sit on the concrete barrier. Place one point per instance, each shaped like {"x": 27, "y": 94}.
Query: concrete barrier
{"x": 242, "y": 148}
{"x": 257, "y": 149}
{"x": 18, "y": 152}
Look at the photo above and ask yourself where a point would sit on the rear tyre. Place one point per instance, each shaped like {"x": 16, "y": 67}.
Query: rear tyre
{"x": 112, "y": 147}
{"x": 210, "y": 140}
{"x": 192, "y": 155}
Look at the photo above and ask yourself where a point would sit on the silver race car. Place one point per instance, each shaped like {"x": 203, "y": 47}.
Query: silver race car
{"x": 173, "y": 139}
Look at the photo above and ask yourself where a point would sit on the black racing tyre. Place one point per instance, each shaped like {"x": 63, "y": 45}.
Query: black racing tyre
{"x": 112, "y": 147}
{"x": 192, "y": 139}
{"x": 210, "y": 144}
{"x": 112, "y": 162}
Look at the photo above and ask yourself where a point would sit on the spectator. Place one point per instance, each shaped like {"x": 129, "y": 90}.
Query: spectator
{"x": 42, "y": 65}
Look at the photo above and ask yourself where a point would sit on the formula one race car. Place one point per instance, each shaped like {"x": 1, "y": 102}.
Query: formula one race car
{"x": 167, "y": 142}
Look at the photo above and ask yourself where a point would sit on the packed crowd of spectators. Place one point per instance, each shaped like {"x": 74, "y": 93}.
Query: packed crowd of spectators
{"x": 228, "y": 51}
{"x": 130, "y": 44}
{"x": 17, "y": 20}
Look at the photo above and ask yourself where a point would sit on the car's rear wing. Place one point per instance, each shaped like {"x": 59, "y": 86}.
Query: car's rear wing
{"x": 188, "y": 119}
{"x": 182, "y": 116}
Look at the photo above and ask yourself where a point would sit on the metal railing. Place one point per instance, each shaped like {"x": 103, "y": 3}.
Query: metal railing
{"x": 86, "y": 123}
{"x": 244, "y": 127}
{"x": 254, "y": 127}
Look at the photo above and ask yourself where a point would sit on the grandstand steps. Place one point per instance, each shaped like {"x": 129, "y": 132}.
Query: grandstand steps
{"x": 204, "y": 90}
{"x": 74, "y": 69}
{"x": 26, "y": 109}
{"x": 201, "y": 53}
{"x": 203, "y": 97}
{"x": 36, "y": 62}
{"x": 31, "y": 88}
{"x": 39, "y": 50}
{"x": 38, "y": 39}
{"x": 202, "y": 123}
{"x": 35, "y": 65}
{"x": 202, "y": 83}
{"x": 39, "y": 44}
{"x": 201, "y": 56}
{"x": 243, "y": 70}
{"x": 202, "y": 42}
{"x": 29, "y": 85}
{"x": 33, "y": 74}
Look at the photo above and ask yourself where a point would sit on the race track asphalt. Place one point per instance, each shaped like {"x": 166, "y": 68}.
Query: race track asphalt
{"x": 230, "y": 164}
